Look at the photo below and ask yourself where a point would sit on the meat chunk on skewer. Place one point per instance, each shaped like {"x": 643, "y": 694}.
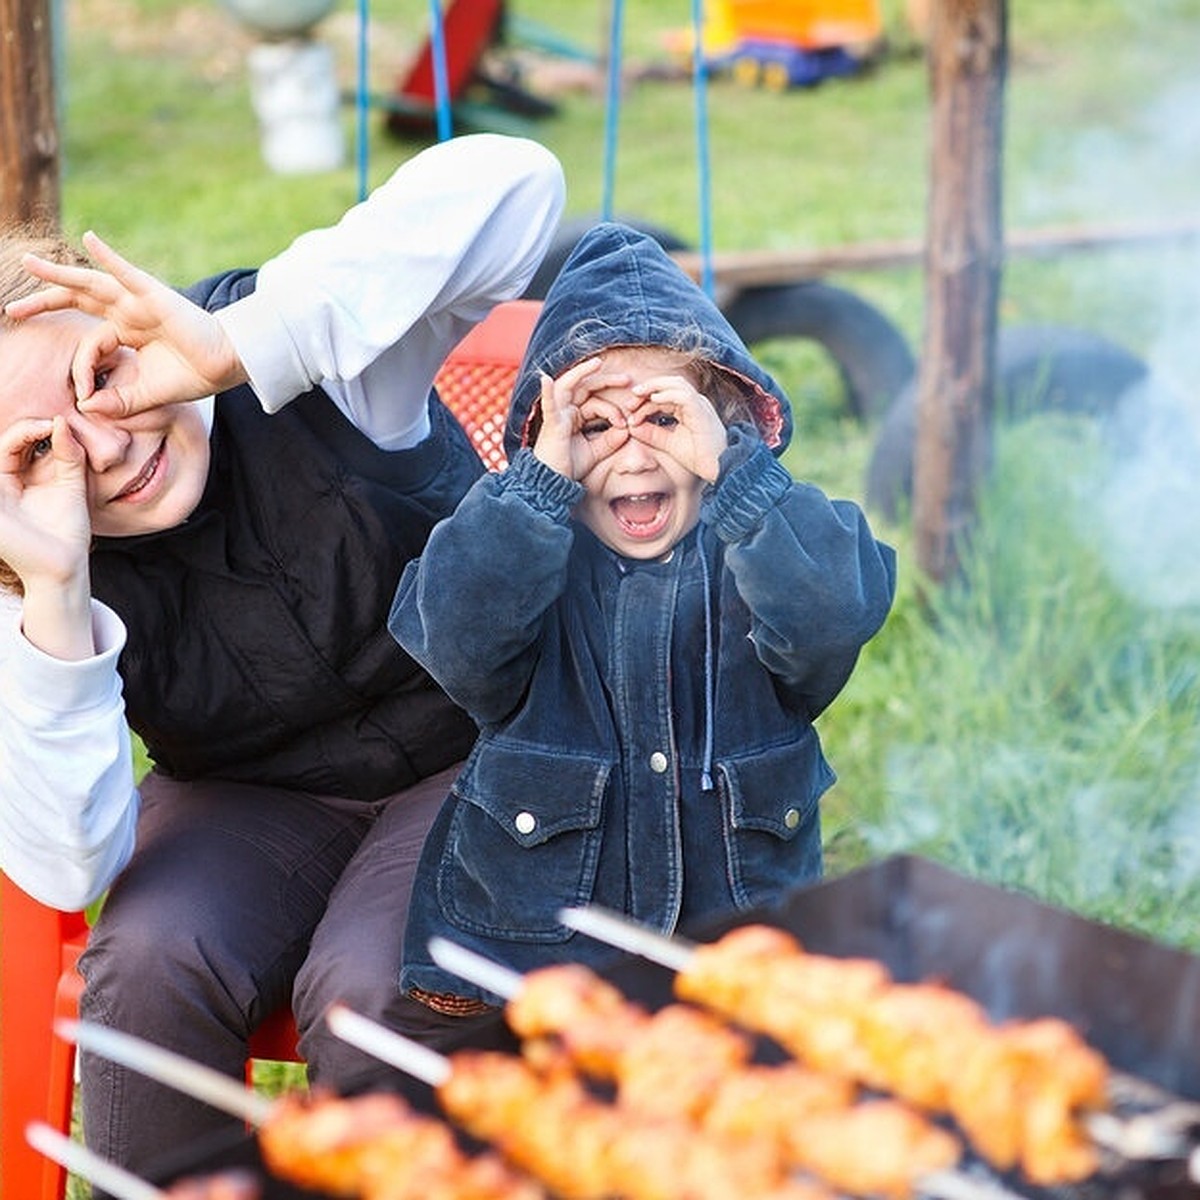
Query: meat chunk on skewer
{"x": 587, "y": 1014}
{"x": 1018, "y": 1091}
{"x": 377, "y": 1147}
{"x": 584, "y": 1149}
{"x": 681, "y": 1062}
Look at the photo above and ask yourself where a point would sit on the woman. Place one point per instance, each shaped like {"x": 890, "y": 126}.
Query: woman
{"x": 205, "y": 503}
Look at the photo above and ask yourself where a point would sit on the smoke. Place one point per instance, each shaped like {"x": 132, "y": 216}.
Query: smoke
{"x": 1054, "y": 743}
{"x": 1144, "y": 512}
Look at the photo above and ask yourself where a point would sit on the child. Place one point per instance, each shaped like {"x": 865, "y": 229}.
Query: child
{"x": 645, "y": 615}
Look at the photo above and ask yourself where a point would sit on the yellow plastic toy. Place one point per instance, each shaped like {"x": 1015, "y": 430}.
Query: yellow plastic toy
{"x": 786, "y": 43}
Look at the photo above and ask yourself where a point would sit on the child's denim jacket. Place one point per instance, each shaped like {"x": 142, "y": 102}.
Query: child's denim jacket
{"x": 646, "y": 739}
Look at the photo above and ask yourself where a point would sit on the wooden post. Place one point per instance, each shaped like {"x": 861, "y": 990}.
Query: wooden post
{"x": 29, "y": 148}
{"x": 963, "y": 258}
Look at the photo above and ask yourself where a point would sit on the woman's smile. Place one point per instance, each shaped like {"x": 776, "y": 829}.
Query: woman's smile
{"x": 135, "y": 488}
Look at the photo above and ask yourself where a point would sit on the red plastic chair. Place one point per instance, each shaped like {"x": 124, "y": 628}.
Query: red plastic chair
{"x": 39, "y": 947}
{"x": 39, "y": 983}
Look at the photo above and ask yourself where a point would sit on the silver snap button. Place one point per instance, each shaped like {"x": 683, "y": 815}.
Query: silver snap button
{"x": 658, "y": 762}
{"x": 525, "y": 822}
{"x": 791, "y": 818}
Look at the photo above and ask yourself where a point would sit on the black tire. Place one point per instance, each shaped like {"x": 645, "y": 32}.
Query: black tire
{"x": 1039, "y": 368}
{"x": 871, "y": 353}
{"x": 570, "y": 231}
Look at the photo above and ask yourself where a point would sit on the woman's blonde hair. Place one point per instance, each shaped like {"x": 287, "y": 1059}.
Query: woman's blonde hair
{"x": 39, "y": 238}
{"x": 44, "y": 240}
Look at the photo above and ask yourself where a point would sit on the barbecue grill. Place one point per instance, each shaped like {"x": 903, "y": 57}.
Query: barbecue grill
{"x": 1134, "y": 1000}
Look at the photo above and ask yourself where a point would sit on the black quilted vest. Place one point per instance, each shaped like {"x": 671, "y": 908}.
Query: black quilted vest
{"x": 257, "y": 641}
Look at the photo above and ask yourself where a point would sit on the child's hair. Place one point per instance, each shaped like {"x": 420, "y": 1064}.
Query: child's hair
{"x": 42, "y": 239}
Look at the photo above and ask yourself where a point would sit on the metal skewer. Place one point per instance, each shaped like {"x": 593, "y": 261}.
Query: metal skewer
{"x": 81, "y": 1161}
{"x": 167, "y": 1067}
{"x": 392, "y": 1048}
{"x": 617, "y": 930}
{"x": 475, "y": 968}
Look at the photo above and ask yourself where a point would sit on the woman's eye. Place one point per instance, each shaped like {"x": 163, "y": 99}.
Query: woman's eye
{"x": 39, "y": 449}
{"x": 664, "y": 420}
{"x": 100, "y": 380}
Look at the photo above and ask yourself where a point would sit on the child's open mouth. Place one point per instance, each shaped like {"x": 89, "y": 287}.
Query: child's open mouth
{"x": 642, "y": 516}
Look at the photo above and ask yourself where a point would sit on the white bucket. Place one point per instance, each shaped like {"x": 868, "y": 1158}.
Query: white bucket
{"x": 294, "y": 90}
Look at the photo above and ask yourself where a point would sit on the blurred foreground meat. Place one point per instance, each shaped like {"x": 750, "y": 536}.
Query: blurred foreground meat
{"x": 378, "y": 1148}
{"x": 681, "y": 1062}
{"x": 585, "y": 1149}
{"x": 1018, "y": 1090}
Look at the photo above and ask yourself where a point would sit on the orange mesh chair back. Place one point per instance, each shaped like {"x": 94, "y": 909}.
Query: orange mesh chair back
{"x": 39, "y": 947}
{"x": 476, "y": 380}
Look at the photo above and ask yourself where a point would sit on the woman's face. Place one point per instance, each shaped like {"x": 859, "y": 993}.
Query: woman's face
{"x": 145, "y": 473}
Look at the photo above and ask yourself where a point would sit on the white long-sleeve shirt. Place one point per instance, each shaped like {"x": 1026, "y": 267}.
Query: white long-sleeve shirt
{"x": 373, "y": 302}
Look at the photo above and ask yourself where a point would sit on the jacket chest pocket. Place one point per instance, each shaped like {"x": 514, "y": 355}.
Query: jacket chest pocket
{"x": 524, "y": 841}
{"x": 773, "y": 836}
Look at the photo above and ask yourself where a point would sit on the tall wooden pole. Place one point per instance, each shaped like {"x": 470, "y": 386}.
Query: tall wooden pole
{"x": 29, "y": 147}
{"x": 968, "y": 59}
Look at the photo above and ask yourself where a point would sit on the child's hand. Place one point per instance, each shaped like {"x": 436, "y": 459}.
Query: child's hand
{"x": 580, "y": 428}
{"x": 676, "y": 419}
{"x": 182, "y": 351}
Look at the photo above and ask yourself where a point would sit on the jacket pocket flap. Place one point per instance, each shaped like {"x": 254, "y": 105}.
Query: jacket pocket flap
{"x": 775, "y": 789}
{"x": 531, "y": 794}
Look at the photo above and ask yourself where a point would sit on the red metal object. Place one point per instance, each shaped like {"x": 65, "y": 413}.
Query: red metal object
{"x": 469, "y": 28}
{"x": 38, "y": 951}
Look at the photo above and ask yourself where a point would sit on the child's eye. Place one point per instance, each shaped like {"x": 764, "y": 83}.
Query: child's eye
{"x": 664, "y": 420}
{"x": 595, "y": 427}
{"x": 100, "y": 380}
{"x": 40, "y": 448}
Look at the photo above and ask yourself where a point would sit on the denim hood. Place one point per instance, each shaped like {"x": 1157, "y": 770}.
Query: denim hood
{"x": 619, "y": 287}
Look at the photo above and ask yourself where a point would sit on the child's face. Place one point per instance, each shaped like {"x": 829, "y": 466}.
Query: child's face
{"x": 641, "y": 500}
{"x": 144, "y": 473}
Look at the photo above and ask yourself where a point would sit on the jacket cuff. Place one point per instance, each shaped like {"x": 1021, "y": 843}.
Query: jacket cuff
{"x": 751, "y": 482}
{"x": 264, "y": 344}
{"x": 540, "y": 486}
{"x": 64, "y": 687}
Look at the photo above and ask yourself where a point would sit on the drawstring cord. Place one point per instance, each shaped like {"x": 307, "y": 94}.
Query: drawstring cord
{"x": 706, "y": 783}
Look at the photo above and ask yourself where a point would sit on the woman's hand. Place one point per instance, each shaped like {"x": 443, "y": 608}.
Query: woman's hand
{"x": 579, "y": 428}
{"x": 678, "y": 420}
{"x": 45, "y": 533}
{"x": 182, "y": 351}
